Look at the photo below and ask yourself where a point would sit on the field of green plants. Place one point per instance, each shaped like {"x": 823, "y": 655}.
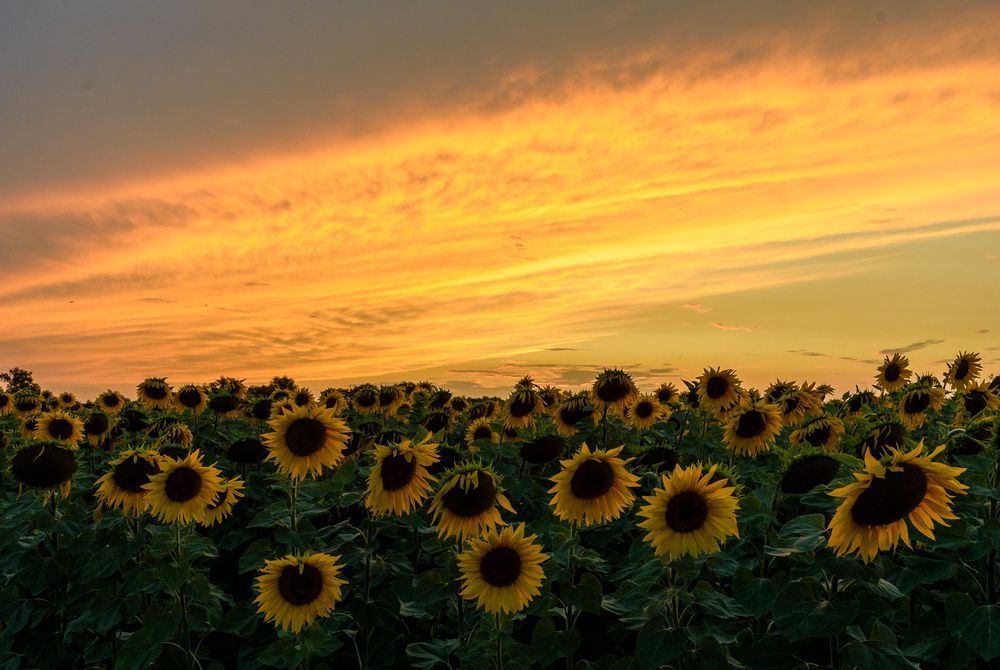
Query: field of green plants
{"x": 401, "y": 526}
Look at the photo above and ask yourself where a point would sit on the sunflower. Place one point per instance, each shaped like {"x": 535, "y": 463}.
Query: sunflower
{"x": 571, "y": 412}
{"x": 502, "y": 571}
{"x": 122, "y": 486}
{"x": 718, "y": 390}
{"x": 962, "y": 371}
{"x": 806, "y": 468}
{"x": 306, "y": 440}
{"x": 333, "y": 400}
{"x": 154, "y": 393}
{"x": 550, "y": 397}
{"x": 798, "y": 403}
{"x": 364, "y": 399}
{"x": 667, "y": 393}
{"x": 592, "y": 487}
{"x": 484, "y": 409}
{"x": 777, "y": 389}
{"x": 819, "y": 431}
{"x": 752, "y": 429}
{"x": 873, "y": 514}
{"x": 60, "y": 427}
{"x": 644, "y": 412}
{"x": 894, "y": 373}
{"x": 399, "y": 480}
{"x": 44, "y": 465}
{"x": 111, "y": 402}
{"x": 183, "y": 489}
{"x": 691, "y": 514}
{"x": 222, "y": 506}
{"x": 391, "y": 398}
{"x": 543, "y": 449}
{"x": 68, "y": 401}
{"x": 439, "y": 399}
{"x": 437, "y": 421}
{"x": 915, "y": 402}
{"x": 171, "y": 431}
{"x": 6, "y": 403}
{"x": 295, "y": 590}
{"x": 613, "y": 389}
{"x": 975, "y": 399}
{"x": 191, "y": 398}
{"x": 224, "y": 403}
{"x": 96, "y": 426}
{"x": 26, "y": 402}
{"x": 480, "y": 429}
{"x": 521, "y": 407}
{"x": 859, "y": 400}
{"x": 258, "y": 410}
{"x": 230, "y": 385}
{"x": 656, "y": 458}
{"x": 465, "y": 504}
{"x": 887, "y": 433}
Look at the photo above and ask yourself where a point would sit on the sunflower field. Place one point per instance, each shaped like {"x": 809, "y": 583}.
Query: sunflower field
{"x": 401, "y": 526}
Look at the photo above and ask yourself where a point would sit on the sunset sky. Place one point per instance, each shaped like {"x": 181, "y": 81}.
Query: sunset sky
{"x": 470, "y": 192}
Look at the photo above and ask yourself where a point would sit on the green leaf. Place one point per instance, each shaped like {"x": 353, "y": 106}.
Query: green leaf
{"x": 982, "y": 631}
{"x": 799, "y": 613}
{"x": 658, "y": 644}
{"x": 549, "y": 645}
{"x": 756, "y": 594}
{"x": 958, "y": 609}
{"x": 428, "y": 655}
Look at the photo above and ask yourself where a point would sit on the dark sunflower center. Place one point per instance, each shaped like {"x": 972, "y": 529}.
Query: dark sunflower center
{"x": 43, "y": 466}
{"x": 892, "y": 498}
{"x": 892, "y": 372}
{"x": 791, "y": 403}
{"x": 686, "y": 512}
{"x": 717, "y": 387}
{"x": 473, "y": 502}
{"x": 155, "y": 392}
{"x": 131, "y": 474}
{"x": 439, "y": 399}
{"x": 807, "y": 473}
{"x": 662, "y": 458}
{"x": 500, "y": 567}
{"x": 4, "y": 400}
{"x": 26, "y": 405}
{"x": 300, "y": 588}
{"x": 459, "y": 404}
{"x": 305, "y": 436}
{"x": 522, "y": 405}
{"x": 367, "y": 398}
{"x": 592, "y": 479}
{"x": 818, "y": 436}
{"x": 302, "y": 399}
{"x": 572, "y": 414}
{"x": 961, "y": 370}
{"x": 435, "y": 421}
{"x": 224, "y": 404}
{"x": 60, "y": 429}
{"x": 261, "y": 409}
{"x": 481, "y": 433}
{"x": 916, "y": 403}
{"x": 67, "y": 398}
{"x": 856, "y": 403}
{"x": 182, "y": 485}
{"x": 751, "y": 424}
{"x": 480, "y": 411}
{"x": 386, "y": 397}
{"x": 975, "y": 402}
{"x": 644, "y": 410}
{"x": 397, "y": 471}
{"x": 111, "y": 401}
{"x": 332, "y": 401}
{"x": 543, "y": 449}
{"x": 776, "y": 393}
{"x": 612, "y": 389}
{"x": 189, "y": 398}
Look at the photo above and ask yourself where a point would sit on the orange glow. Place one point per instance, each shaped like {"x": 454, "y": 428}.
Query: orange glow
{"x": 554, "y": 224}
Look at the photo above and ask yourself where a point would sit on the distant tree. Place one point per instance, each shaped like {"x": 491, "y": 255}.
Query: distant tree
{"x": 283, "y": 382}
{"x": 19, "y": 379}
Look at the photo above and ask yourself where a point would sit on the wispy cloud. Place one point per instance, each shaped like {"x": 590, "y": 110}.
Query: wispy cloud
{"x": 723, "y": 326}
{"x": 695, "y": 307}
{"x": 915, "y": 346}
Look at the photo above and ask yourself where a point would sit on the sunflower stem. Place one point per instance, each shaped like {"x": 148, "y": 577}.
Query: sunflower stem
{"x": 604, "y": 426}
{"x": 499, "y": 624}
{"x": 461, "y": 621}
{"x": 293, "y": 494}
